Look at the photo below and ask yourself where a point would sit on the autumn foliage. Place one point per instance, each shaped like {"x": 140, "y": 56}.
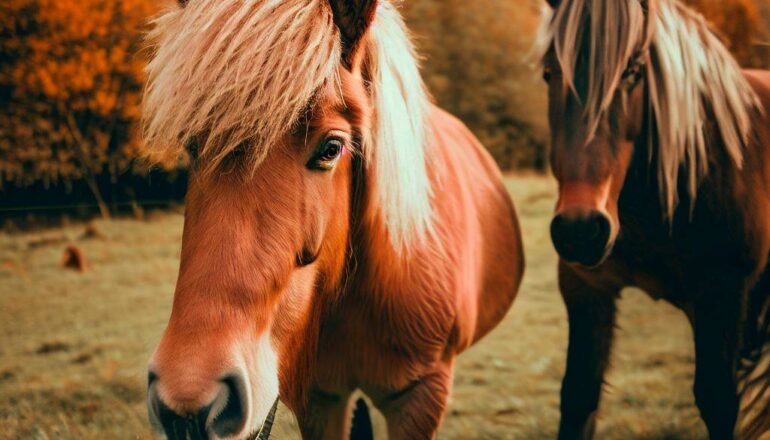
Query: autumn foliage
{"x": 71, "y": 74}
{"x": 70, "y": 88}
{"x": 479, "y": 65}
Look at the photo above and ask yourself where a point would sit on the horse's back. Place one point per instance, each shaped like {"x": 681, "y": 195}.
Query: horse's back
{"x": 491, "y": 246}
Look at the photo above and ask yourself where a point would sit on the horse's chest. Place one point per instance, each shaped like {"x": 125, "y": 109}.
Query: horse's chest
{"x": 680, "y": 265}
{"x": 658, "y": 271}
{"x": 388, "y": 345}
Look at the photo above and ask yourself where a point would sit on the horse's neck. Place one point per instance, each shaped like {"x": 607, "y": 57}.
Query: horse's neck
{"x": 719, "y": 204}
{"x": 639, "y": 205}
{"x": 374, "y": 260}
{"x": 377, "y": 270}
{"x": 371, "y": 253}
{"x": 372, "y": 256}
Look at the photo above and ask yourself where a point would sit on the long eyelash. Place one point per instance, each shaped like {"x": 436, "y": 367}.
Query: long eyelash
{"x": 354, "y": 146}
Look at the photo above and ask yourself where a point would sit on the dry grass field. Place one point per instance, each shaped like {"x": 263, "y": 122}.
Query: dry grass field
{"x": 74, "y": 346}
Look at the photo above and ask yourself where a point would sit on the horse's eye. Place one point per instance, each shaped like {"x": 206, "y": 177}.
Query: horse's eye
{"x": 327, "y": 155}
{"x": 547, "y": 74}
{"x": 633, "y": 76}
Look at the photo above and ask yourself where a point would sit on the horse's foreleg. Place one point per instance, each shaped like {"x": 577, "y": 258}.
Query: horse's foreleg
{"x": 416, "y": 412}
{"x": 715, "y": 328}
{"x": 591, "y": 313}
{"x": 326, "y": 417}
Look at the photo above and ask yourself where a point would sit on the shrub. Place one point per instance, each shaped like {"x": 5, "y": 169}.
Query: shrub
{"x": 71, "y": 79}
{"x": 70, "y": 88}
{"x": 479, "y": 66}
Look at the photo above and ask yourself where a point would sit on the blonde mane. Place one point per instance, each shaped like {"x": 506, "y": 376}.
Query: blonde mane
{"x": 237, "y": 75}
{"x": 690, "y": 75}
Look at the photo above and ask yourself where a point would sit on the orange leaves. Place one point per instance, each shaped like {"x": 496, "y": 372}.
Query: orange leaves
{"x": 82, "y": 60}
{"x": 71, "y": 80}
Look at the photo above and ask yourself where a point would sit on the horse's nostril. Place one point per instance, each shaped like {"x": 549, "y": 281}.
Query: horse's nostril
{"x": 558, "y": 231}
{"x": 225, "y": 416}
{"x": 603, "y": 227}
{"x": 231, "y": 419}
{"x": 192, "y": 426}
{"x": 593, "y": 229}
{"x": 581, "y": 238}
{"x": 176, "y": 426}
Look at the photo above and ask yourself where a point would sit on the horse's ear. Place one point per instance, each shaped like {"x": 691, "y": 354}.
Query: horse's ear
{"x": 554, "y": 3}
{"x": 353, "y": 18}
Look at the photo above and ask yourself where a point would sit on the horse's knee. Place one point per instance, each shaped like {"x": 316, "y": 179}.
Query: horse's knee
{"x": 417, "y": 410}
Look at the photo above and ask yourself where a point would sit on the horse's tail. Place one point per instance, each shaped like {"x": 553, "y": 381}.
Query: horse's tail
{"x": 754, "y": 384}
{"x": 361, "y": 427}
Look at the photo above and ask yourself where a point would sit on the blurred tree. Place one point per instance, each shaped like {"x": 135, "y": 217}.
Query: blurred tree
{"x": 480, "y": 66}
{"x": 70, "y": 78}
{"x": 70, "y": 86}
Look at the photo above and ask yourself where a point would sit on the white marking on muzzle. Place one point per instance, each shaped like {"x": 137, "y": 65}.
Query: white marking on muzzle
{"x": 258, "y": 363}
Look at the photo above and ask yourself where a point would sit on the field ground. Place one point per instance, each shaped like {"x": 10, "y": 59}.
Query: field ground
{"x": 74, "y": 346}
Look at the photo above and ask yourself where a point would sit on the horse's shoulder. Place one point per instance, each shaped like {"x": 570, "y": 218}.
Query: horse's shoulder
{"x": 451, "y": 131}
{"x": 443, "y": 120}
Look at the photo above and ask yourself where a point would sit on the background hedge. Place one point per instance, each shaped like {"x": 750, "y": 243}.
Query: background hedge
{"x": 71, "y": 79}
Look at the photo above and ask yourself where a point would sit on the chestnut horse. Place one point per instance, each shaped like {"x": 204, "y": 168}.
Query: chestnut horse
{"x": 661, "y": 148}
{"x": 341, "y": 232}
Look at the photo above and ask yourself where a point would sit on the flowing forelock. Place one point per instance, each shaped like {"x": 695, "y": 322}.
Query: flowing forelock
{"x": 236, "y": 75}
{"x": 233, "y": 75}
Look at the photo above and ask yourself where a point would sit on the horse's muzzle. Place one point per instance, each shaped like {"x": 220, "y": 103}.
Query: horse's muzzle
{"x": 582, "y": 237}
{"x": 225, "y": 416}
